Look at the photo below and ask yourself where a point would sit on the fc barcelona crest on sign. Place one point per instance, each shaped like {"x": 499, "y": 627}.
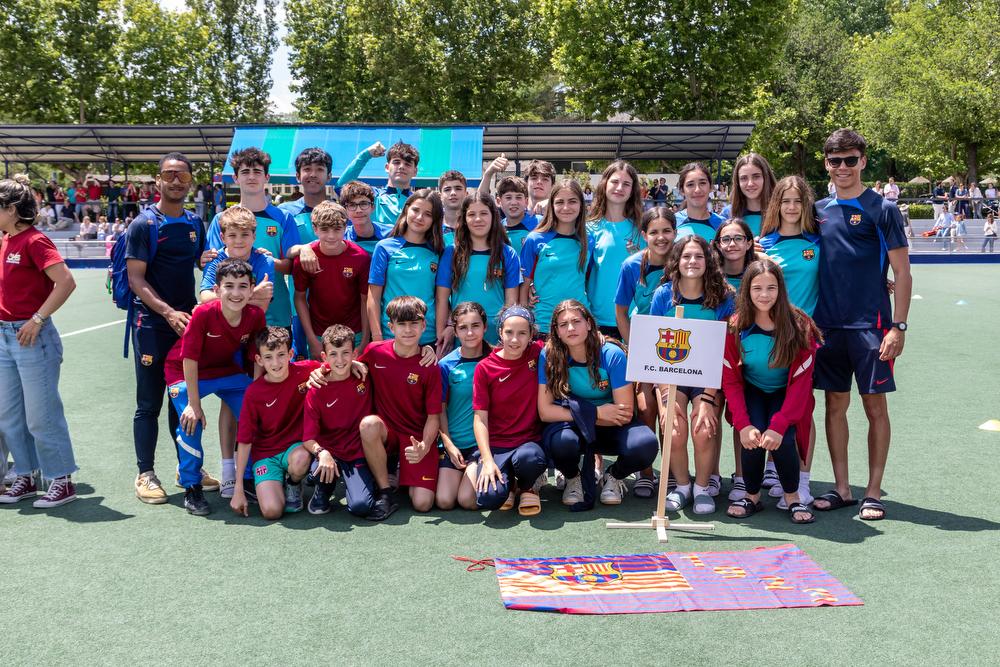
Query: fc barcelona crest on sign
{"x": 586, "y": 573}
{"x": 674, "y": 345}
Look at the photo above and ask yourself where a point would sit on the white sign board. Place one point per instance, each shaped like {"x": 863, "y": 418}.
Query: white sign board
{"x": 671, "y": 350}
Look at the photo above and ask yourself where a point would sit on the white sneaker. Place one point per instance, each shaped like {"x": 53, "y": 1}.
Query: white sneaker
{"x": 573, "y": 493}
{"x": 612, "y": 490}
{"x": 227, "y": 487}
{"x": 560, "y": 481}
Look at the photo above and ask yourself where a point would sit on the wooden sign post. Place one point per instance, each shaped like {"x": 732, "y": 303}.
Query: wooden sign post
{"x": 693, "y": 348}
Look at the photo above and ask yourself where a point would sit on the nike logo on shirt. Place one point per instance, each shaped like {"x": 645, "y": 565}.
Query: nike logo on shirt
{"x": 505, "y": 378}
{"x": 330, "y": 405}
{"x": 212, "y": 335}
{"x": 383, "y": 367}
{"x": 271, "y": 403}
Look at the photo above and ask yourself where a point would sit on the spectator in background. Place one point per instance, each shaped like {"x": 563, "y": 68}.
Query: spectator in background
{"x": 942, "y": 227}
{"x": 976, "y": 200}
{"x": 660, "y": 192}
{"x": 59, "y": 197}
{"x": 88, "y": 230}
{"x": 989, "y": 232}
{"x": 130, "y": 196}
{"x": 50, "y": 193}
{"x": 962, "y": 199}
{"x": 145, "y": 197}
{"x": 588, "y": 196}
{"x": 991, "y": 197}
{"x": 114, "y": 192}
{"x": 959, "y": 230}
{"x": 94, "y": 197}
{"x": 47, "y": 217}
{"x": 939, "y": 200}
{"x": 219, "y": 198}
{"x": 891, "y": 191}
{"x": 103, "y": 228}
{"x": 200, "y": 207}
{"x": 878, "y": 187}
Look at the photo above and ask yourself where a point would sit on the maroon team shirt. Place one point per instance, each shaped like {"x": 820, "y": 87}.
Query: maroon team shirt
{"x": 24, "y": 287}
{"x": 508, "y": 390}
{"x": 405, "y": 391}
{"x": 333, "y": 416}
{"x": 271, "y": 418}
{"x": 213, "y": 342}
{"x": 338, "y": 290}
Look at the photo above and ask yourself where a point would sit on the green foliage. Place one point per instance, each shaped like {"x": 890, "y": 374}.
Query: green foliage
{"x": 415, "y": 60}
{"x": 930, "y": 87}
{"x": 921, "y": 212}
{"x": 808, "y": 96}
{"x": 664, "y": 60}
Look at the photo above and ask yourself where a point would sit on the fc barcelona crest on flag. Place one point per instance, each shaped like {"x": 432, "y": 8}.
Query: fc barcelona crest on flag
{"x": 585, "y": 573}
{"x": 674, "y": 345}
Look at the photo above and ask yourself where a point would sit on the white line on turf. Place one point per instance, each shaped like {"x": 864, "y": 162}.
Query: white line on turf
{"x": 89, "y": 329}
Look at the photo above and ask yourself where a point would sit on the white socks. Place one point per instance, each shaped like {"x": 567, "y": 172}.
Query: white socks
{"x": 228, "y": 470}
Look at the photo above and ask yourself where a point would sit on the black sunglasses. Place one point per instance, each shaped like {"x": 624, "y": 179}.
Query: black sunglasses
{"x": 851, "y": 161}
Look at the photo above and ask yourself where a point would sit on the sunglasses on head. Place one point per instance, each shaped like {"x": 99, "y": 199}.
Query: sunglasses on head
{"x": 851, "y": 161}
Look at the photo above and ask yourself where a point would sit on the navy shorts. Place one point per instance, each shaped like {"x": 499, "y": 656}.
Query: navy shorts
{"x": 691, "y": 392}
{"x": 470, "y": 454}
{"x": 848, "y": 352}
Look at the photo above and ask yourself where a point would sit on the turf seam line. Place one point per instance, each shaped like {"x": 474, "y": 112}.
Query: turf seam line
{"x": 89, "y": 329}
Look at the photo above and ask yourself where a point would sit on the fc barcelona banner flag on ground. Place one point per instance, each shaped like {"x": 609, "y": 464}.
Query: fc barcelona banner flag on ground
{"x": 763, "y": 578}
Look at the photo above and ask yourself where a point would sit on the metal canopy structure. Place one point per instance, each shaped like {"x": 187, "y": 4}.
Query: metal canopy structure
{"x": 633, "y": 140}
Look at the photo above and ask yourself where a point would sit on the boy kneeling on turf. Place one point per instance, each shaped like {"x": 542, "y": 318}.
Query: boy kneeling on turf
{"x": 203, "y": 362}
{"x": 408, "y": 403}
{"x": 270, "y": 428}
{"x": 332, "y": 428}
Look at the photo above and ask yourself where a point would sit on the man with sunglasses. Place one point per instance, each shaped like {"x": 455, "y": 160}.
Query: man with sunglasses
{"x": 161, "y": 274}
{"x": 861, "y": 235}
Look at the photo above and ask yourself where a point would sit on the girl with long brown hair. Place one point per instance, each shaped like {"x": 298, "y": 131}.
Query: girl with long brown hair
{"x": 579, "y": 365}
{"x": 558, "y": 254}
{"x": 614, "y": 224}
{"x": 767, "y": 378}
{"x": 753, "y": 181}
{"x": 480, "y": 267}
{"x": 693, "y": 279}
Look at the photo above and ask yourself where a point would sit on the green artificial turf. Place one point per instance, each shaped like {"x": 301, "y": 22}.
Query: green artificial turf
{"x": 108, "y": 580}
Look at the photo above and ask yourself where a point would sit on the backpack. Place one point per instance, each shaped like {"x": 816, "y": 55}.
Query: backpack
{"x": 117, "y": 281}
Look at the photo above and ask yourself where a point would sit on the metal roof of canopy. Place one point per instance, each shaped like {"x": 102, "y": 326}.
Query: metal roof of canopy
{"x": 123, "y": 144}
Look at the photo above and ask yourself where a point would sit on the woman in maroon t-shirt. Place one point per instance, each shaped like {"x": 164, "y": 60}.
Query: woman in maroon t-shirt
{"x": 34, "y": 283}
{"x": 505, "y": 417}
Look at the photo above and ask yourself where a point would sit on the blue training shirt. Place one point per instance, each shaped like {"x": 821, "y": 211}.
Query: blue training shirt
{"x": 752, "y": 218}
{"x": 262, "y": 265}
{"x": 614, "y": 242}
{"x": 456, "y": 386}
{"x": 632, "y": 295}
{"x": 517, "y": 233}
{"x": 405, "y": 269}
{"x": 857, "y": 235}
{"x": 665, "y": 303}
{"x": 551, "y": 260}
{"x": 611, "y": 369}
{"x": 476, "y": 285}
{"x": 756, "y": 346}
{"x": 704, "y": 228}
{"x": 798, "y": 256}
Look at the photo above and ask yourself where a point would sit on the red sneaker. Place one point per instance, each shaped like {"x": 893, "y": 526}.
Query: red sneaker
{"x": 60, "y": 492}
{"x": 23, "y": 487}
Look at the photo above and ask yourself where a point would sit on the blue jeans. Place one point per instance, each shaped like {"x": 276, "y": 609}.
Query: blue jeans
{"x": 32, "y": 421}
{"x": 634, "y": 444}
{"x": 190, "y": 455}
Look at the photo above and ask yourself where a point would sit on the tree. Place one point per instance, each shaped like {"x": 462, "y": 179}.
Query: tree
{"x": 241, "y": 47}
{"x": 415, "y": 60}
{"x": 809, "y": 94}
{"x": 930, "y": 86}
{"x": 664, "y": 60}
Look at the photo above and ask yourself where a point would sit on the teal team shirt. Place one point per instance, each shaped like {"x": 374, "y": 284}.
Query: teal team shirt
{"x": 665, "y": 303}
{"x": 516, "y": 234}
{"x": 367, "y": 243}
{"x": 798, "y": 257}
{"x": 752, "y": 218}
{"x": 456, "y": 385}
{"x": 477, "y": 287}
{"x": 405, "y": 269}
{"x": 388, "y": 200}
{"x": 631, "y": 293}
{"x": 551, "y": 260}
{"x": 277, "y": 233}
{"x": 756, "y": 346}
{"x": 614, "y": 242}
{"x": 611, "y": 370}
{"x": 704, "y": 228}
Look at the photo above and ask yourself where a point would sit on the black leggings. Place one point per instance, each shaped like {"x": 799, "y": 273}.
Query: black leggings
{"x": 762, "y": 405}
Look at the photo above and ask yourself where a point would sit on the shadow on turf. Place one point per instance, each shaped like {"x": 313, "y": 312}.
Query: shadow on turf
{"x": 85, "y": 509}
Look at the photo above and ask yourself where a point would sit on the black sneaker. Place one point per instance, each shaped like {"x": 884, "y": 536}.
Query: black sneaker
{"x": 320, "y": 501}
{"x": 195, "y": 503}
{"x": 385, "y": 505}
{"x": 250, "y": 490}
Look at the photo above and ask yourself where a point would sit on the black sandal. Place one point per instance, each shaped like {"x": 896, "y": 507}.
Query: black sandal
{"x": 836, "y": 501}
{"x": 873, "y": 504}
{"x": 800, "y": 508}
{"x": 748, "y": 506}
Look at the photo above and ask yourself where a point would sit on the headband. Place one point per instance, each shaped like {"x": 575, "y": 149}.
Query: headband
{"x": 517, "y": 311}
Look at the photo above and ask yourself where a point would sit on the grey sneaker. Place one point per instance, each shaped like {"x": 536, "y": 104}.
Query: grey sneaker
{"x": 612, "y": 489}
{"x": 573, "y": 493}
{"x": 293, "y": 496}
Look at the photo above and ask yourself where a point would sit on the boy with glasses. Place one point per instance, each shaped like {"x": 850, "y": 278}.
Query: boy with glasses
{"x": 358, "y": 199}
{"x": 401, "y": 168}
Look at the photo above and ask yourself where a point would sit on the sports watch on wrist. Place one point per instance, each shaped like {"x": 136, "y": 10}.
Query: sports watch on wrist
{"x": 899, "y": 325}
{"x": 38, "y": 319}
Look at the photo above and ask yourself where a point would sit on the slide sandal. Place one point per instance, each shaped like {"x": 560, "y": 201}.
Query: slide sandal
{"x": 872, "y": 505}
{"x": 836, "y": 501}
{"x": 529, "y": 504}
{"x": 800, "y": 508}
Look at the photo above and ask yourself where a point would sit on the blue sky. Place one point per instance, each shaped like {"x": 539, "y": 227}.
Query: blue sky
{"x": 281, "y": 96}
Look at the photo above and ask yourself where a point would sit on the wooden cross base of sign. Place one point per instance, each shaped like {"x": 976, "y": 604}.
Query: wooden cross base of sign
{"x": 659, "y": 521}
